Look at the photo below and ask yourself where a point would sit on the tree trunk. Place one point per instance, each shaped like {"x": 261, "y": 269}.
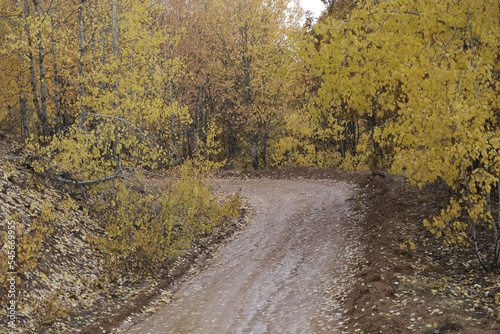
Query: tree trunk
{"x": 83, "y": 111}
{"x": 175, "y": 153}
{"x": 56, "y": 83}
{"x": 496, "y": 224}
{"x": 114, "y": 19}
{"x": 94, "y": 55}
{"x": 174, "y": 140}
{"x": 197, "y": 122}
{"x": 473, "y": 226}
{"x": 23, "y": 102}
{"x": 204, "y": 133}
{"x": 34, "y": 89}
{"x": 43, "y": 95}
{"x": 290, "y": 153}
{"x": 186, "y": 148}
{"x": 246, "y": 64}
{"x": 249, "y": 102}
{"x": 104, "y": 42}
{"x": 255, "y": 157}
{"x": 264, "y": 127}
{"x": 264, "y": 139}
{"x": 23, "y": 99}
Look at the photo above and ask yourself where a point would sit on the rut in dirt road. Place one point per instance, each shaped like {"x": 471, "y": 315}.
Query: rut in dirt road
{"x": 280, "y": 275}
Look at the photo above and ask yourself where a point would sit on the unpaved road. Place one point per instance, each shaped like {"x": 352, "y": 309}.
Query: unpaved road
{"x": 280, "y": 275}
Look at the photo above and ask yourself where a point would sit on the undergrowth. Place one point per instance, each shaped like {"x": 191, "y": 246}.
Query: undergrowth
{"x": 146, "y": 231}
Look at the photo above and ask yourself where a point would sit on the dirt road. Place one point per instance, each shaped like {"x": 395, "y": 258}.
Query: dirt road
{"x": 282, "y": 274}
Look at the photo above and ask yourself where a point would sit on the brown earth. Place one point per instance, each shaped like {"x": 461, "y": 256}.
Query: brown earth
{"x": 383, "y": 289}
{"x": 285, "y": 273}
{"x": 432, "y": 289}
{"x": 65, "y": 289}
{"x": 422, "y": 290}
{"x": 393, "y": 290}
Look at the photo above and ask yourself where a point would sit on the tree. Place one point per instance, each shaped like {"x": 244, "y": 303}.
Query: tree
{"x": 254, "y": 41}
{"x": 33, "y": 40}
{"x": 424, "y": 78}
{"x": 236, "y": 57}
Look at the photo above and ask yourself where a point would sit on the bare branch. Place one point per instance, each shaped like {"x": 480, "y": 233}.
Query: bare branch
{"x": 121, "y": 120}
{"x": 86, "y": 182}
{"x": 381, "y": 24}
{"x": 151, "y": 173}
{"x": 11, "y": 157}
{"x": 346, "y": 8}
{"x": 390, "y": 11}
{"x": 150, "y": 187}
{"x": 445, "y": 44}
{"x": 119, "y": 175}
{"x": 406, "y": 12}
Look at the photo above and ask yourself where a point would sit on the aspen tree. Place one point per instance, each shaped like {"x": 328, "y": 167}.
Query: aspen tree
{"x": 424, "y": 81}
{"x": 253, "y": 38}
{"x": 83, "y": 112}
{"x": 56, "y": 77}
{"x": 34, "y": 89}
{"x": 41, "y": 58}
{"x": 12, "y": 59}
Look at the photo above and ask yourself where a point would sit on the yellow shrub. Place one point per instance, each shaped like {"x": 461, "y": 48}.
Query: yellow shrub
{"x": 146, "y": 233}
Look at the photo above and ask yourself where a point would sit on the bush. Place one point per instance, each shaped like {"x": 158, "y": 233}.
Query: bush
{"x": 147, "y": 231}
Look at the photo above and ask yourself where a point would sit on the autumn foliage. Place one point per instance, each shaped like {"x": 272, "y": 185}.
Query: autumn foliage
{"x": 110, "y": 93}
{"x": 89, "y": 86}
{"x": 147, "y": 234}
{"x": 128, "y": 104}
{"x": 423, "y": 78}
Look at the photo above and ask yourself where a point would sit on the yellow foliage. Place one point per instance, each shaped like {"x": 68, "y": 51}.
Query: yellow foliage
{"x": 145, "y": 234}
{"x": 28, "y": 242}
{"x": 51, "y": 309}
{"x": 289, "y": 151}
{"x": 409, "y": 244}
{"x": 423, "y": 80}
{"x": 29, "y": 246}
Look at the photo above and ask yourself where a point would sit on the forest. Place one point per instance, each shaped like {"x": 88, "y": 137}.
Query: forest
{"x": 107, "y": 94}
{"x": 247, "y": 84}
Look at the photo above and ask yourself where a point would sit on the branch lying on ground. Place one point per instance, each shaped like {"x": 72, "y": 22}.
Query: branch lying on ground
{"x": 121, "y": 175}
{"x": 86, "y": 182}
{"x": 151, "y": 173}
{"x": 10, "y": 157}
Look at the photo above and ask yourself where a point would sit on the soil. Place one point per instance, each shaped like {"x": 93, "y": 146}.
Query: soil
{"x": 285, "y": 273}
{"x": 324, "y": 251}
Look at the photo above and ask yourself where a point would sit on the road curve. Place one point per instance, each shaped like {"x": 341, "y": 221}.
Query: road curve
{"x": 282, "y": 274}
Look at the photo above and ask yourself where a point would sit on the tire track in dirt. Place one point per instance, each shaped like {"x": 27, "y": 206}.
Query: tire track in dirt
{"x": 282, "y": 274}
